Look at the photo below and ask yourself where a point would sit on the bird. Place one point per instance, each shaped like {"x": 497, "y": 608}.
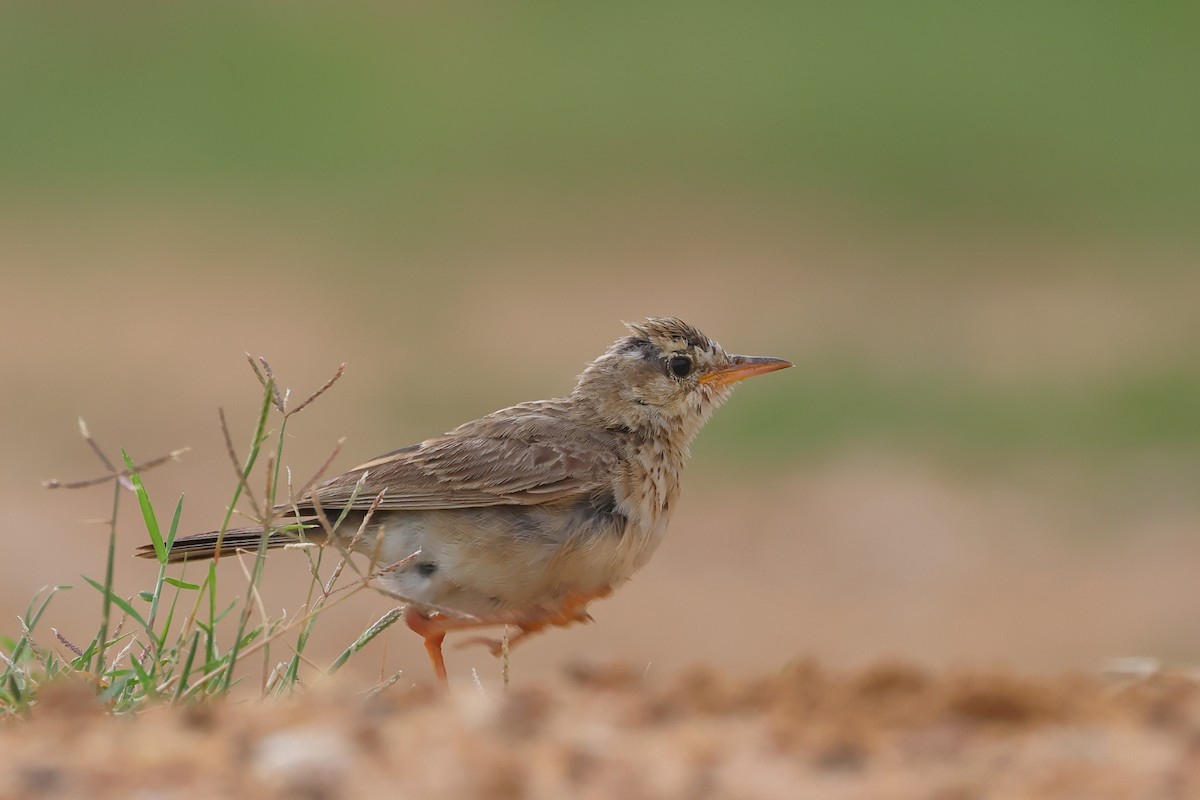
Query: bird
{"x": 526, "y": 515}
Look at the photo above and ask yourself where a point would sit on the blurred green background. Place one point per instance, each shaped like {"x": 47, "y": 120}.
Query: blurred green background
{"x": 1078, "y": 115}
{"x": 973, "y": 227}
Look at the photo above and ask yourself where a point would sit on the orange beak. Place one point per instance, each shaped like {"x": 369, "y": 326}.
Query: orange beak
{"x": 742, "y": 367}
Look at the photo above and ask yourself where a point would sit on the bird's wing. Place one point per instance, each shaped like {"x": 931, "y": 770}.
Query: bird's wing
{"x": 471, "y": 469}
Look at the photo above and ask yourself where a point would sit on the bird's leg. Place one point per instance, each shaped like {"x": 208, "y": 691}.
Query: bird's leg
{"x": 573, "y": 609}
{"x": 433, "y": 626}
{"x": 429, "y": 629}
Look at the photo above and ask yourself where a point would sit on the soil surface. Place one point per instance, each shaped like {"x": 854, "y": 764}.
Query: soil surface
{"x": 890, "y": 730}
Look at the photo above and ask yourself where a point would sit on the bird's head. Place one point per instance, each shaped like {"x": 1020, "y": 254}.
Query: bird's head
{"x": 665, "y": 374}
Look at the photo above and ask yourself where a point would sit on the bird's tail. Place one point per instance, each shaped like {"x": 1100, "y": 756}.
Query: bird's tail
{"x": 205, "y": 545}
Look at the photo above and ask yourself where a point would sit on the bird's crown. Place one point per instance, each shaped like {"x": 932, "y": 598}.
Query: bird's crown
{"x": 669, "y": 333}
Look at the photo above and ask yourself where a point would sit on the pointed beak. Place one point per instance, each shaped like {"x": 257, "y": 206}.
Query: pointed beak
{"x": 742, "y": 367}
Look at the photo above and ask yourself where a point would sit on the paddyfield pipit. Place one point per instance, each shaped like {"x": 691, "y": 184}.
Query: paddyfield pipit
{"x": 526, "y": 515}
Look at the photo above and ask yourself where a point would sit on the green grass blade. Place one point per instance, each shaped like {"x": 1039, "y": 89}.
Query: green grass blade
{"x": 259, "y": 438}
{"x": 156, "y": 595}
{"x": 119, "y": 601}
{"x": 145, "y": 680}
{"x": 382, "y": 624}
{"x": 160, "y": 550}
{"x": 32, "y": 617}
{"x": 178, "y": 584}
{"x": 117, "y": 687}
{"x": 174, "y": 529}
{"x": 181, "y": 687}
{"x": 106, "y": 604}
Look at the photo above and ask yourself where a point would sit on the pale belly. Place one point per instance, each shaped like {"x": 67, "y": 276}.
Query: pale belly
{"x": 510, "y": 557}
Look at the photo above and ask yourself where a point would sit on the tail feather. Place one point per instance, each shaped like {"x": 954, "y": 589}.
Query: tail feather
{"x": 204, "y": 545}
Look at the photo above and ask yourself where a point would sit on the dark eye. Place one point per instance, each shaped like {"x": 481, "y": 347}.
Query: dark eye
{"x": 680, "y": 366}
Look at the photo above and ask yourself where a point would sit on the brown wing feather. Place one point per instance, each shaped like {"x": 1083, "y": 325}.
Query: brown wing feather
{"x": 504, "y": 459}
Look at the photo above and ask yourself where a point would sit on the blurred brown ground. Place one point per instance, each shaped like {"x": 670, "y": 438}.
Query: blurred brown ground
{"x": 889, "y": 731}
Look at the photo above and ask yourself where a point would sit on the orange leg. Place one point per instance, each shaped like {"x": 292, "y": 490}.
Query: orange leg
{"x": 433, "y": 627}
{"x": 423, "y": 624}
{"x": 572, "y": 610}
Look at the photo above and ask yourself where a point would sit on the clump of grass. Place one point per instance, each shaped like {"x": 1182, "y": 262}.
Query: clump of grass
{"x": 165, "y": 644}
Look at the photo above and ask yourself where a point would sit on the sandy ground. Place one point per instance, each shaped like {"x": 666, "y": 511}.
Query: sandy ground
{"x": 599, "y": 732}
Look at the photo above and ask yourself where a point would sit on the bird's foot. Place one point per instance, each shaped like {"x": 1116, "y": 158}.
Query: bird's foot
{"x": 495, "y": 646}
{"x": 433, "y": 626}
{"x": 571, "y": 611}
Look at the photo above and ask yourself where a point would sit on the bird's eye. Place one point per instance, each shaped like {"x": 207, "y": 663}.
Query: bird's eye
{"x": 680, "y": 366}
